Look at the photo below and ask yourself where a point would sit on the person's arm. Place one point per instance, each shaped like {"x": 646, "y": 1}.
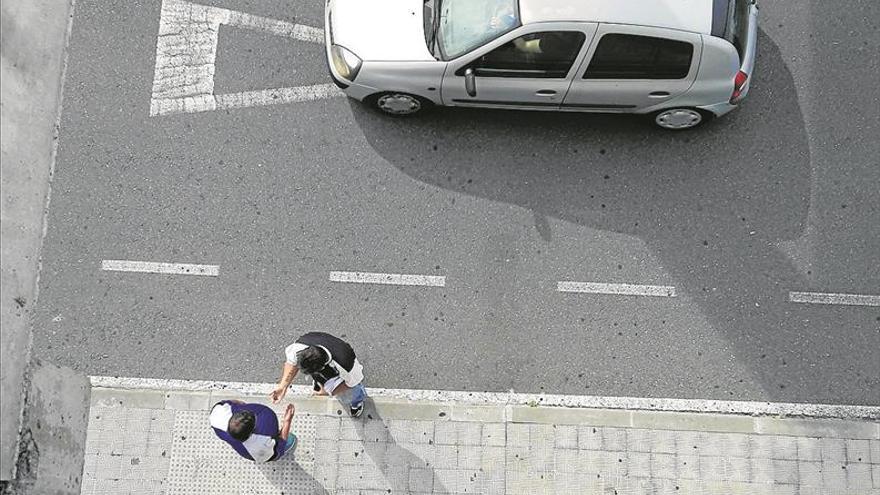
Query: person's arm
{"x": 280, "y": 447}
{"x": 527, "y": 46}
{"x": 287, "y": 375}
{"x": 286, "y": 422}
{"x": 341, "y": 388}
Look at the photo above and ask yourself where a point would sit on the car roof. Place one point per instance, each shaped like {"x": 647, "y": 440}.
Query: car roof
{"x": 684, "y": 15}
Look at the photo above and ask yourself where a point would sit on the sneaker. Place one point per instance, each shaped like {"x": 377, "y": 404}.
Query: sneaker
{"x": 291, "y": 443}
{"x": 357, "y": 410}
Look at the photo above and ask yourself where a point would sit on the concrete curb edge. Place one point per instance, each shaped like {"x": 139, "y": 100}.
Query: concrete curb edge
{"x": 776, "y": 409}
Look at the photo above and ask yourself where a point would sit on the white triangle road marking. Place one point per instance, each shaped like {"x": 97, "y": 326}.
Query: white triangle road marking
{"x": 186, "y": 51}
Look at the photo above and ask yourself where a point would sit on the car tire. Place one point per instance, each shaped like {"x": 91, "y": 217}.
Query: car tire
{"x": 680, "y": 119}
{"x": 397, "y": 104}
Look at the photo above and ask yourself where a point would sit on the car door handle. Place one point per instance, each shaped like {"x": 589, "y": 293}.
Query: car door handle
{"x": 659, "y": 94}
{"x": 546, "y": 92}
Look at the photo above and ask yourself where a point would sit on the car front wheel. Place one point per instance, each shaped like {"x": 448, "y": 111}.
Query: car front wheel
{"x": 400, "y": 104}
{"x": 679, "y": 119}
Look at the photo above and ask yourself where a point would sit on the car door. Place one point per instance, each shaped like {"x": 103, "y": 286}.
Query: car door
{"x": 633, "y": 68}
{"x": 529, "y": 68}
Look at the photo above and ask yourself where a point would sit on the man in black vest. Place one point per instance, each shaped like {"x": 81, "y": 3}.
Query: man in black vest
{"x": 333, "y": 366}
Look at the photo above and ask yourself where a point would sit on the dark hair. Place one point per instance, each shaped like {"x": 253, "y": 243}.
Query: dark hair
{"x": 555, "y": 45}
{"x": 241, "y": 425}
{"x": 311, "y": 359}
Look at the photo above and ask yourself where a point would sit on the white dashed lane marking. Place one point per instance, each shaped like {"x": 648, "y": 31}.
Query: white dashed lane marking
{"x": 616, "y": 289}
{"x": 163, "y": 268}
{"x": 186, "y": 52}
{"x": 388, "y": 279}
{"x": 834, "y": 298}
{"x": 440, "y": 281}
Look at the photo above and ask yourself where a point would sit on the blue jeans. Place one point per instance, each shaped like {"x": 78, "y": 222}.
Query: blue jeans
{"x": 354, "y": 396}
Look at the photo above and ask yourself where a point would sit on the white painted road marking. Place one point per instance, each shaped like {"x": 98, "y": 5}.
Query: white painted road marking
{"x": 832, "y": 298}
{"x": 276, "y": 96}
{"x": 616, "y": 289}
{"x": 388, "y": 279}
{"x": 186, "y": 51}
{"x": 512, "y": 398}
{"x": 163, "y": 268}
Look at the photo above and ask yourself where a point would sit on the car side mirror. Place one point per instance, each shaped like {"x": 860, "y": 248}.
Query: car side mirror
{"x": 470, "y": 82}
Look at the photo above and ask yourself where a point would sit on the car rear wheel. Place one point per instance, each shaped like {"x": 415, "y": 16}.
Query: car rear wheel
{"x": 400, "y": 104}
{"x": 679, "y": 119}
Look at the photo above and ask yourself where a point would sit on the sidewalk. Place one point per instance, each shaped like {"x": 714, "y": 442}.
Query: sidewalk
{"x": 43, "y": 408}
{"x": 155, "y": 441}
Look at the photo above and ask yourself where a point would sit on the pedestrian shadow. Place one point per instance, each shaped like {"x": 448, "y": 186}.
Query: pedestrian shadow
{"x": 394, "y": 461}
{"x": 289, "y": 476}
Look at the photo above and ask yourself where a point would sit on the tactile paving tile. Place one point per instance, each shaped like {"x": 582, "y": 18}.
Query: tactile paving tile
{"x": 201, "y": 463}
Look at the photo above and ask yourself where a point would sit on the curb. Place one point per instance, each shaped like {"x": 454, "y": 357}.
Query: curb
{"x": 858, "y": 423}
{"x": 777, "y": 409}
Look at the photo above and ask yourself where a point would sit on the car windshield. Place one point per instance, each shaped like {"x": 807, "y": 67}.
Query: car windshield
{"x": 468, "y": 24}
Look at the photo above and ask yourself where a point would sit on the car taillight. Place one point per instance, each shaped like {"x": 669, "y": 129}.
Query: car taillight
{"x": 739, "y": 83}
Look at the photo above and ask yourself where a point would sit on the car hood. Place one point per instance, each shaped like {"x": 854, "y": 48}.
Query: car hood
{"x": 380, "y": 29}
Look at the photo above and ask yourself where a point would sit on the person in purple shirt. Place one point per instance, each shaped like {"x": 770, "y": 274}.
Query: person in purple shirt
{"x": 252, "y": 429}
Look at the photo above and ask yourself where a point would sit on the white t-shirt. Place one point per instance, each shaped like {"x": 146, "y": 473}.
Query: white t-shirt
{"x": 351, "y": 377}
{"x": 260, "y": 447}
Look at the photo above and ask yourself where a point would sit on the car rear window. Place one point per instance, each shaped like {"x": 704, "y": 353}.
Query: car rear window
{"x": 738, "y": 25}
{"x": 721, "y": 13}
{"x": 627, "y": 56}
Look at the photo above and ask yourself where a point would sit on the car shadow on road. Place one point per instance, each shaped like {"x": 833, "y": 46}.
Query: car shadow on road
{"x": 717, "y": 205}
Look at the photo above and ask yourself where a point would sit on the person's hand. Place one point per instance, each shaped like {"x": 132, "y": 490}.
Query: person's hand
{"x": 278, "y": 394}
{"x": 320, "y": 392}
{"x": 288, "y": 413}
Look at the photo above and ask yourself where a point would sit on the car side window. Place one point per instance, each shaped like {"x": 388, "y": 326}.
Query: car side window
{"x": 538, "y": 55}
{"x": 627, "y": 56}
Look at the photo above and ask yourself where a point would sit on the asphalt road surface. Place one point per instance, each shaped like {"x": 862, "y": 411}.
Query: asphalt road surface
{"x": 279, "y": 189}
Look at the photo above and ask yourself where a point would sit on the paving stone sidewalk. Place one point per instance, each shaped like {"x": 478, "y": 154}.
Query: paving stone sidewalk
{"x": 159, "y": 442}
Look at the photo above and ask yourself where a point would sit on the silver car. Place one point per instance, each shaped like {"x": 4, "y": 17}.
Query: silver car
{"x": 679, "y": 61}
